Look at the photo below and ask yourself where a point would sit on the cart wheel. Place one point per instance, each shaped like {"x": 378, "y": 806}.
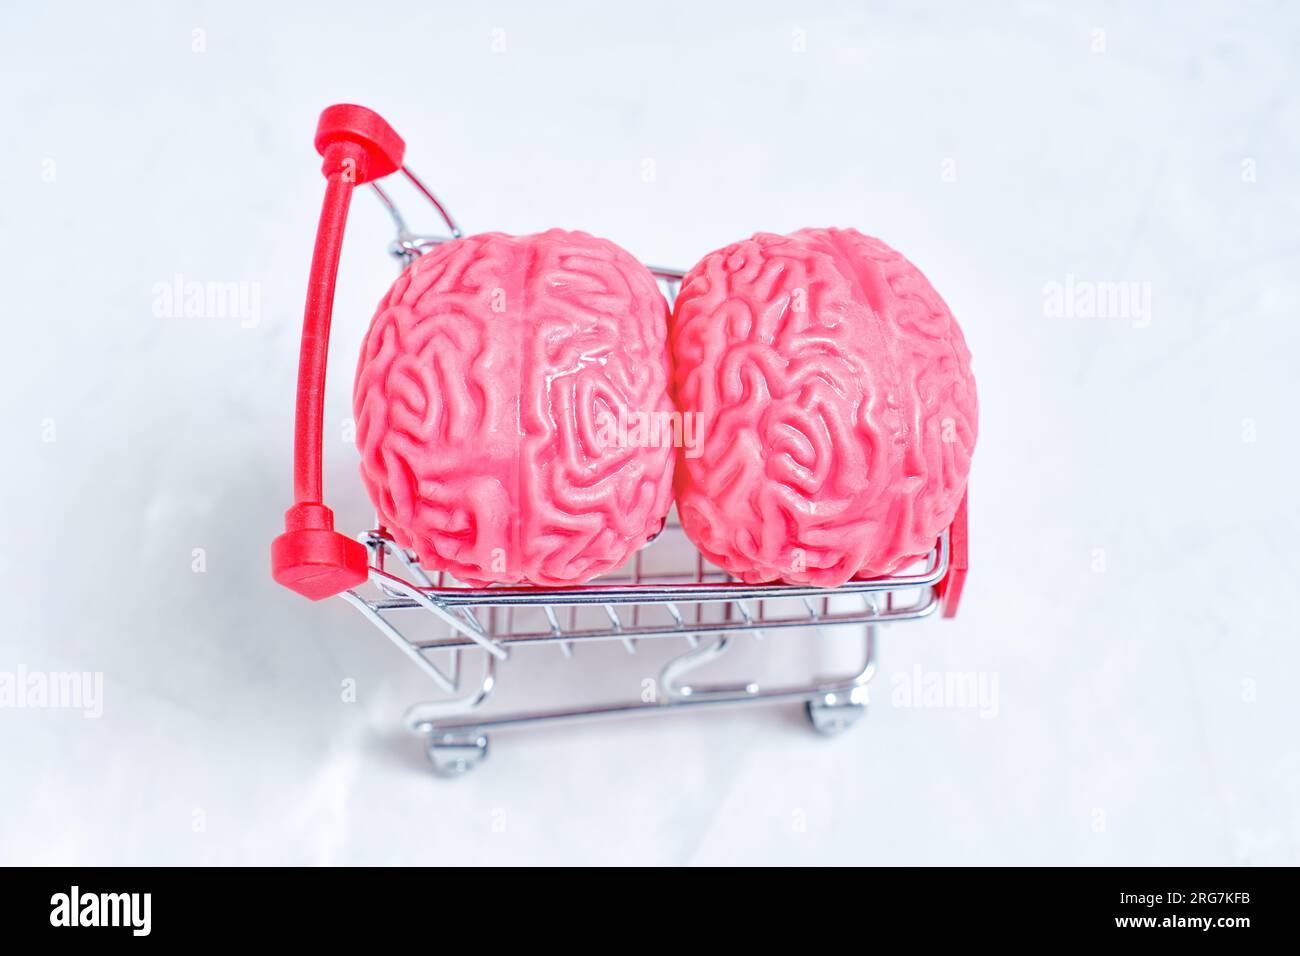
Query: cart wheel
{"x": 455, "y": 754}
{"x": 833, "y": 714}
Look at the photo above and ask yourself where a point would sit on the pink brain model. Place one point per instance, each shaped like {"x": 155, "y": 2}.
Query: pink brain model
{"x": 487, "y": 399}
{"x": 836, "y": 404}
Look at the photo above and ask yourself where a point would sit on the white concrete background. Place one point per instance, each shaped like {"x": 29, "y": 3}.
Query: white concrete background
{"x": 1146, "y": 713}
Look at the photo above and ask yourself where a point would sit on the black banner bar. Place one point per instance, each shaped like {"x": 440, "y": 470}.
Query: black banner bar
{"x": 1156, "y": 905}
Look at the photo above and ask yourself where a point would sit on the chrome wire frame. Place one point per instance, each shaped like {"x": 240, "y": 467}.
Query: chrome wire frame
{"x": 488, "y": 622}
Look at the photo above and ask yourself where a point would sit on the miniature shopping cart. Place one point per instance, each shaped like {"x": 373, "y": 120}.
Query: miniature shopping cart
{"x": 683, "y": 604}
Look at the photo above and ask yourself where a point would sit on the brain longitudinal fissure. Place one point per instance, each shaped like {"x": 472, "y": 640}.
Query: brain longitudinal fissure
{"x": 838, "y": 408}
{"x": 486, "y": 384}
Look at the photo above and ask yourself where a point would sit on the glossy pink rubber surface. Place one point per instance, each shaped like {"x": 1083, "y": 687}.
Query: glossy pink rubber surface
{"x": 487, "y": 399}
{"x": 837, "y": 406}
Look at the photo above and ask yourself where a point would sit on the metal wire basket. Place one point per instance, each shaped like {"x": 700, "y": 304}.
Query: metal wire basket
{"x": 679, "y": 598}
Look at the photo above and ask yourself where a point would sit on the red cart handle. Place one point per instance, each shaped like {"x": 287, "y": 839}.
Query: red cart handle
{"x": 950, "y": 587}
{"x": 311, "y": 557}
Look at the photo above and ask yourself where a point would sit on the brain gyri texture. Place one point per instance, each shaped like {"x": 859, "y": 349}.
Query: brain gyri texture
{"x": 837, "y": 408}
{"x": 483, "y": 398}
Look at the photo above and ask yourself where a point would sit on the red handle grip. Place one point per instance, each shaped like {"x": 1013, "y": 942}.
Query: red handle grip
{"x": 357, "y": 146}
{"x": 954, "y": 581}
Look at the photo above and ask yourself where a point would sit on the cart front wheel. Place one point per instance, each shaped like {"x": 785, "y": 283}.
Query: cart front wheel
{"x": 455, "y": 754}
{"x": 833, "y": 714}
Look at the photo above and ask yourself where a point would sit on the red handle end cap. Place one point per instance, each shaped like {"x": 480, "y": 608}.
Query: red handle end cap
{"x": 314, "y": 559}
{"x": 344, "y": 122}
